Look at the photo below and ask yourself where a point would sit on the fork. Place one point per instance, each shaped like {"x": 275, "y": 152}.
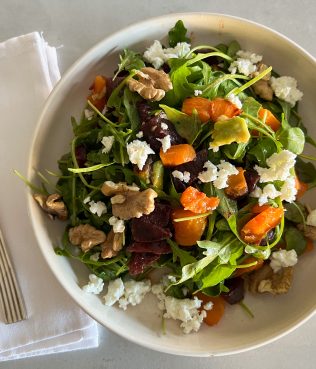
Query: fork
{"x": 10, "y": 294}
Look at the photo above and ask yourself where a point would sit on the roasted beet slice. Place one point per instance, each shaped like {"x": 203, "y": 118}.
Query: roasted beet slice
{"x": 139, "y": 262}
{"x": 194, "y": 167}
{"x": 111, "y": 85}
{"x": 268, "y": 238}
{"x": 144, "y": 110}
{"x": 157, "y": 248}
{"x": 81, "y": 155}
{"x": 236, "y": 290}
{"x": 159, "y": 127}
{"x": 143, "y": 231}
{"x": 160, "y": 216}
{"x": 252, "y": 177}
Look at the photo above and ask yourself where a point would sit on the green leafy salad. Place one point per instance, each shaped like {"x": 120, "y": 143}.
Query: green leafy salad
{"x": 187, "y": 163}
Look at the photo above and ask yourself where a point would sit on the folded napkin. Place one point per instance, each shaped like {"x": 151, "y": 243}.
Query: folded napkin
{"x": 28, "y": 72}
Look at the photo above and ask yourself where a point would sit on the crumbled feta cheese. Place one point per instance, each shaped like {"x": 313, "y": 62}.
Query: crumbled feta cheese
{"x": 164, "y": 126}
{"x": 186, "y": 310}
{"x": 138, "y": 152}
{"x": 165, "y": 142}
{"x": 157, "y": 55}
{"x": 208, "y": 306}
{"x": 117, "y": 224}
{"x": 210, "y": 174}
{"x": 311, "y": 218}
{"x": 118, "y": 199}
{"x": 235, "y": 100}
{"x": 183, "y": 177}
{"x": 107, "y": 142}
{"x": 88, "y": 114}
{"x": 95, "y": 285}
{"x": 98, "y": 208}
{"x": 134, "y": 293}
{"x": 213, "y": 147}
{"x": 86, "y": 200}
{"x": 268, "y": 192}
{"x": 279, "y": 166}
{"x": 245, "y": 63}
{"x": 115, "y": 292}
{"x": 289, "y": 190}
{"x": 225, "y": 170}
{"x": 285, "y": 88}
{"x": 282, "y": 259}
{"x": 197, "y": 92}
{"x": 185, "y": 291}
{"x": 140, "y": 134}
{"x": 95, "y": 256}
{"x": 172, "y": 278}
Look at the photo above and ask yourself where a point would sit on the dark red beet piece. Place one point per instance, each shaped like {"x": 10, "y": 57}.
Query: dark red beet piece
{"x": 268, "y": 238}
{"x": 194, "y": 167}
{"x": 143, "y": 231}
{"x": 111, "y": 85}
{"x": 160, "y": 216}
{"x": 236, "y": 290}
{"x": 157, "y": 248}
{"x": 252, "y": 177}
{"x": 140, "y": 261}
{"x": 81, "y": 155}
{"x": 144, "y": 110}
{"x": 153, "y": 128}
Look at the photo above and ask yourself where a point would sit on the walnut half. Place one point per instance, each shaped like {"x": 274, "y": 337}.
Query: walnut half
{"x": 309, "y": 231}
{"x": 112, "y": 245}
{"x": 52, "y": 205}
{"x": 86, "y": 236}
{"x": 151, "y": 84}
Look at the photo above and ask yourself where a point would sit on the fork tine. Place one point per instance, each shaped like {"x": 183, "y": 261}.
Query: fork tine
{"x": 11, "y": 296}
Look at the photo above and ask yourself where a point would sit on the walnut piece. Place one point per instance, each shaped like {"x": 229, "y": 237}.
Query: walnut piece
{"x": 52, "y": 204}
{"x": 110, "y": 188}
{"x": 135, "y": 205}
{"x": 264, "y": 280}
{"x": 152, "y": 84}
{"x": 309, "y": 231}
{"x": 112, "y": 245}
{"x": 86, "y": 236}
{"x": 263, "y": 89}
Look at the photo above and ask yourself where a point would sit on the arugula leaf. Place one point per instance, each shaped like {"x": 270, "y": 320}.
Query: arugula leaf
{"x": 292, "y": 139}
{"x": 251, "y": 106}
{"x": 235, "y": 151}
{"x": 262, "y": 151}
{"x": 129, "y": 100}
{"x": 295, "y": 212}
{"x": 295, "y": 240}
{"x": 184, "y": 256}
{"x": 227, "y": 206}
{"x": 178, "y": 34}
{"x": 306, "y": 171}
{"x": 215, "y": 274}
{"x": 129, "y": 60}
{"x": 187, "y": 126}
{"x": 232, "y": 49}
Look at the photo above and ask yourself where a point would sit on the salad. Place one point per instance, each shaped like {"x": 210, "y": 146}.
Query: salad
{"x": 187, "y": 163}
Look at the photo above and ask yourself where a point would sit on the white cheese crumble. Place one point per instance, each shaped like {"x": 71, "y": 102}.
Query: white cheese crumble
{"x": 98, "y": 208}
{"x": 115, "y": 292}
{"x": 225, "y": 170}
{"x": 86, "y": 200}
{"x": 283, "y": 259}
{"x": 157, "y": 55}
{"x": 311, "y": 218}
{"x": 94, "y": 286}
{"x": 140, "y": 134}
{"x": 183, "y": 177}
{"x": 138, "y": 152}
{"x": 107, "y": 142}
{"x": 164, "y": 126}
{"x": 286, "y": 89}
{"x": 88, "y": 114}
{"x": 134, "y": 293}
{"x": 235, "y": 100}
{"x": 186, "y": 310}
{"x": 198, "y": 92}
{"x": 208, "y": 175}
{"x": 268, "y": 192}
{"x": 289, "y": 190}
{"x": 95, "y": 256}
{"x": 279, "y": 166}
{"x": 165, "y": 142}
{"x": 245, "y": 63}
{"x": 117, "y": 224}
{"x": 208, "y": 306}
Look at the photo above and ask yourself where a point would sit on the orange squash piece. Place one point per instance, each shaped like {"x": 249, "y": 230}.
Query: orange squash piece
{"x": 253, "y": 231}
{"x": 237, "y": 184}
{"x": 187, "y": 232}
{"x": 220, "y": 107}
{"x": 97, "y": 96}
{"x": 214, "y": 315}
{"x": 301, "y": 187}
{"x": 309, "y": 245}
{"x": 271, "y": 120}
{"x": 256, "y": 209}
{"x": 249, "y": 260}
{"x": 177, "y": 154}
{"x": 196, "y": 201}
{"x": 200, "y": 104}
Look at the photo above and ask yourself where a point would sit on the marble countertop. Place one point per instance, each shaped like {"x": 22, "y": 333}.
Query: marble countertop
{"x": 75, "y": 26}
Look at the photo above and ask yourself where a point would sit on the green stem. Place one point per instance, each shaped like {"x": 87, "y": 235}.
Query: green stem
{"x": 222, "y": 79}
{"x": 201, "y": 47}
{"x": 101, "y": 115}
{"x": 246, "y": 309}
{"x": 192, "y": 217}
{"x": 307, "y": 157}
{"x": 207, "y": 55}
{"x": 30, "y": 184}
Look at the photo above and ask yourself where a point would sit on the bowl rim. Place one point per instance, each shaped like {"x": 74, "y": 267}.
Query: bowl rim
{"x": 39, "y": 126}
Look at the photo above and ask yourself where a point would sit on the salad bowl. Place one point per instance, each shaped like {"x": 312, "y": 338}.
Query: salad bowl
{"x": 237, "y": 332}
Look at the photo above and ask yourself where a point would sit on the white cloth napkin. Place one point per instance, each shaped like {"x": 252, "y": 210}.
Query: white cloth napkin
{"x": 28, "y": 72}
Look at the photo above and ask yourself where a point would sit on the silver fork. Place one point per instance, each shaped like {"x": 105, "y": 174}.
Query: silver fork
{"x": 10, "y": 294}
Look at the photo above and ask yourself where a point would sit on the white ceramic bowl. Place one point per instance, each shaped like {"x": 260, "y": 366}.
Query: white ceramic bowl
{"x": 274, "y": 316}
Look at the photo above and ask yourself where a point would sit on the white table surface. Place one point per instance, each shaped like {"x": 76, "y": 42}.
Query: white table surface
{"x": 76, "y": 25}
